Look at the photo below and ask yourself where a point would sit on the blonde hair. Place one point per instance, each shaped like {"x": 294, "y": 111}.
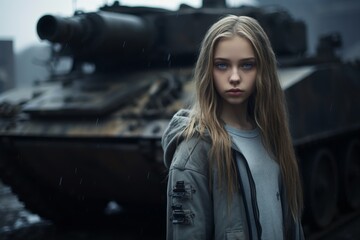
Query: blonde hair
{"x": 266, "y": 107}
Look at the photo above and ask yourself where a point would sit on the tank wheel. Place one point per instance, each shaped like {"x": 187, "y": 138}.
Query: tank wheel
{"x": 350, "y": 175}
{"x": 320, "y": 178}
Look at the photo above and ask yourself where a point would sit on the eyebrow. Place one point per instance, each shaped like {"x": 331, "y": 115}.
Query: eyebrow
{"x": 241, "y": 60}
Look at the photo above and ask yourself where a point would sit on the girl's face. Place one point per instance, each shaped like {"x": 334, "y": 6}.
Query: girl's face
{"x": 234, "y": 71}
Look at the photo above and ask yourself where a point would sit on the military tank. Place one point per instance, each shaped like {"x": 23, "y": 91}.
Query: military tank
{"x": 80, "y": 139}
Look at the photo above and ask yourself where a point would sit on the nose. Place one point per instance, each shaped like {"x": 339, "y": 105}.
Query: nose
{"x": 235, "y": 77}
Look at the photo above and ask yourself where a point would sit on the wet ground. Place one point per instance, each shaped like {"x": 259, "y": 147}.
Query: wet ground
{"x": 16, "y": 223}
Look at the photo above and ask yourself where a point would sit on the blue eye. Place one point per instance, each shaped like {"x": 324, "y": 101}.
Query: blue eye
{"x": 221, "y": 66}
{"x": 248, "y": 65}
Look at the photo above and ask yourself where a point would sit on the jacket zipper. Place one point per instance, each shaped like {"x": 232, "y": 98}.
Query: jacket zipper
{"x": 253, "y": 196}
{"x": 242, "y": 192}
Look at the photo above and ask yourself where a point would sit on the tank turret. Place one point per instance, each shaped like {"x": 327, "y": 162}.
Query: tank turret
{"x": 120, "y": 36}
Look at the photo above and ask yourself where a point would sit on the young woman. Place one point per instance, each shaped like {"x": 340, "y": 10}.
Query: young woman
{"x": 232, "y": 167}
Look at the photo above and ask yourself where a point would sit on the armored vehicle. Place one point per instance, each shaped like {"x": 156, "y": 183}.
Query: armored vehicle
{"x": 80, "y": 139}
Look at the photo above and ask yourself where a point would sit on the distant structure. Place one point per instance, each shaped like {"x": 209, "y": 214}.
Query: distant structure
{"x": 325, "y": 17}
{"x": 6, "y": 65}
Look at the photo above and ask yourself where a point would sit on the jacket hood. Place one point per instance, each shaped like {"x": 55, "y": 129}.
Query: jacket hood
{"x": 172, "y": 136}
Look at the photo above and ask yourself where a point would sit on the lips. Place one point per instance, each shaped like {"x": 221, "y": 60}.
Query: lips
{"x": 234, "y": 90}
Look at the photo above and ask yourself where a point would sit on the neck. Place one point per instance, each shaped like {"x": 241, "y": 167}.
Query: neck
{"x": 237, "y": 117}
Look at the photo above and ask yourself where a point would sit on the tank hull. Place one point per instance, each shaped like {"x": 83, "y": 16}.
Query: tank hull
{"x": 119, "y": 157}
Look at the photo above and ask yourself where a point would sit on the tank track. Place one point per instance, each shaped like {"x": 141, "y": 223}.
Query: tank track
{"x": 48, "y": 204}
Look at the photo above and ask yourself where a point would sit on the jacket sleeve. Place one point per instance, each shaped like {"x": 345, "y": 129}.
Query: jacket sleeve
{"x": 189, "y": 201}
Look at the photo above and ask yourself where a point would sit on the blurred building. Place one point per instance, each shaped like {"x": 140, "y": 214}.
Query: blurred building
{"x": 6, "y": 65}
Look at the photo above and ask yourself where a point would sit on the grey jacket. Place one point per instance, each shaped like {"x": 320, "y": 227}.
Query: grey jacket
{"x": 197, "y": 209}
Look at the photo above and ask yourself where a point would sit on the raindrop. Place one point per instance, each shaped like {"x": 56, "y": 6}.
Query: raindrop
{"x": 148, "y": 175}
{"x": 80, "y": 181}
{"x": 169, "y": 56}
{"x": 60, "y": 182}
{"x": 124, "y": 44}
{"x": 75, "y": 170}
{"x": 97, "y": 121}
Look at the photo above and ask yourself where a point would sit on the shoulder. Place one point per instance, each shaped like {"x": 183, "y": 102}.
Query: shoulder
{"x": 192, "y": 154}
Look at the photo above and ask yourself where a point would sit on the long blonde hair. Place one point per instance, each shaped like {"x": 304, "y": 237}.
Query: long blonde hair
{"x": 266, "y": 107}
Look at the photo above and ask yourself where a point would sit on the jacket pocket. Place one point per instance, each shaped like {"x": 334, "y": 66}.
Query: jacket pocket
{"x": 235, "y": 235}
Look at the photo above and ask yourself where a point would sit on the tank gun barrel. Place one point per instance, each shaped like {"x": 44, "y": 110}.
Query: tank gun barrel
{"x": 61, "y": 30}
{"x": 98, "y": 33}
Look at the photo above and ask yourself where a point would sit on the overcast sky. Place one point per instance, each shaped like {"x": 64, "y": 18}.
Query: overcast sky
{"x": 18, "y": 18}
